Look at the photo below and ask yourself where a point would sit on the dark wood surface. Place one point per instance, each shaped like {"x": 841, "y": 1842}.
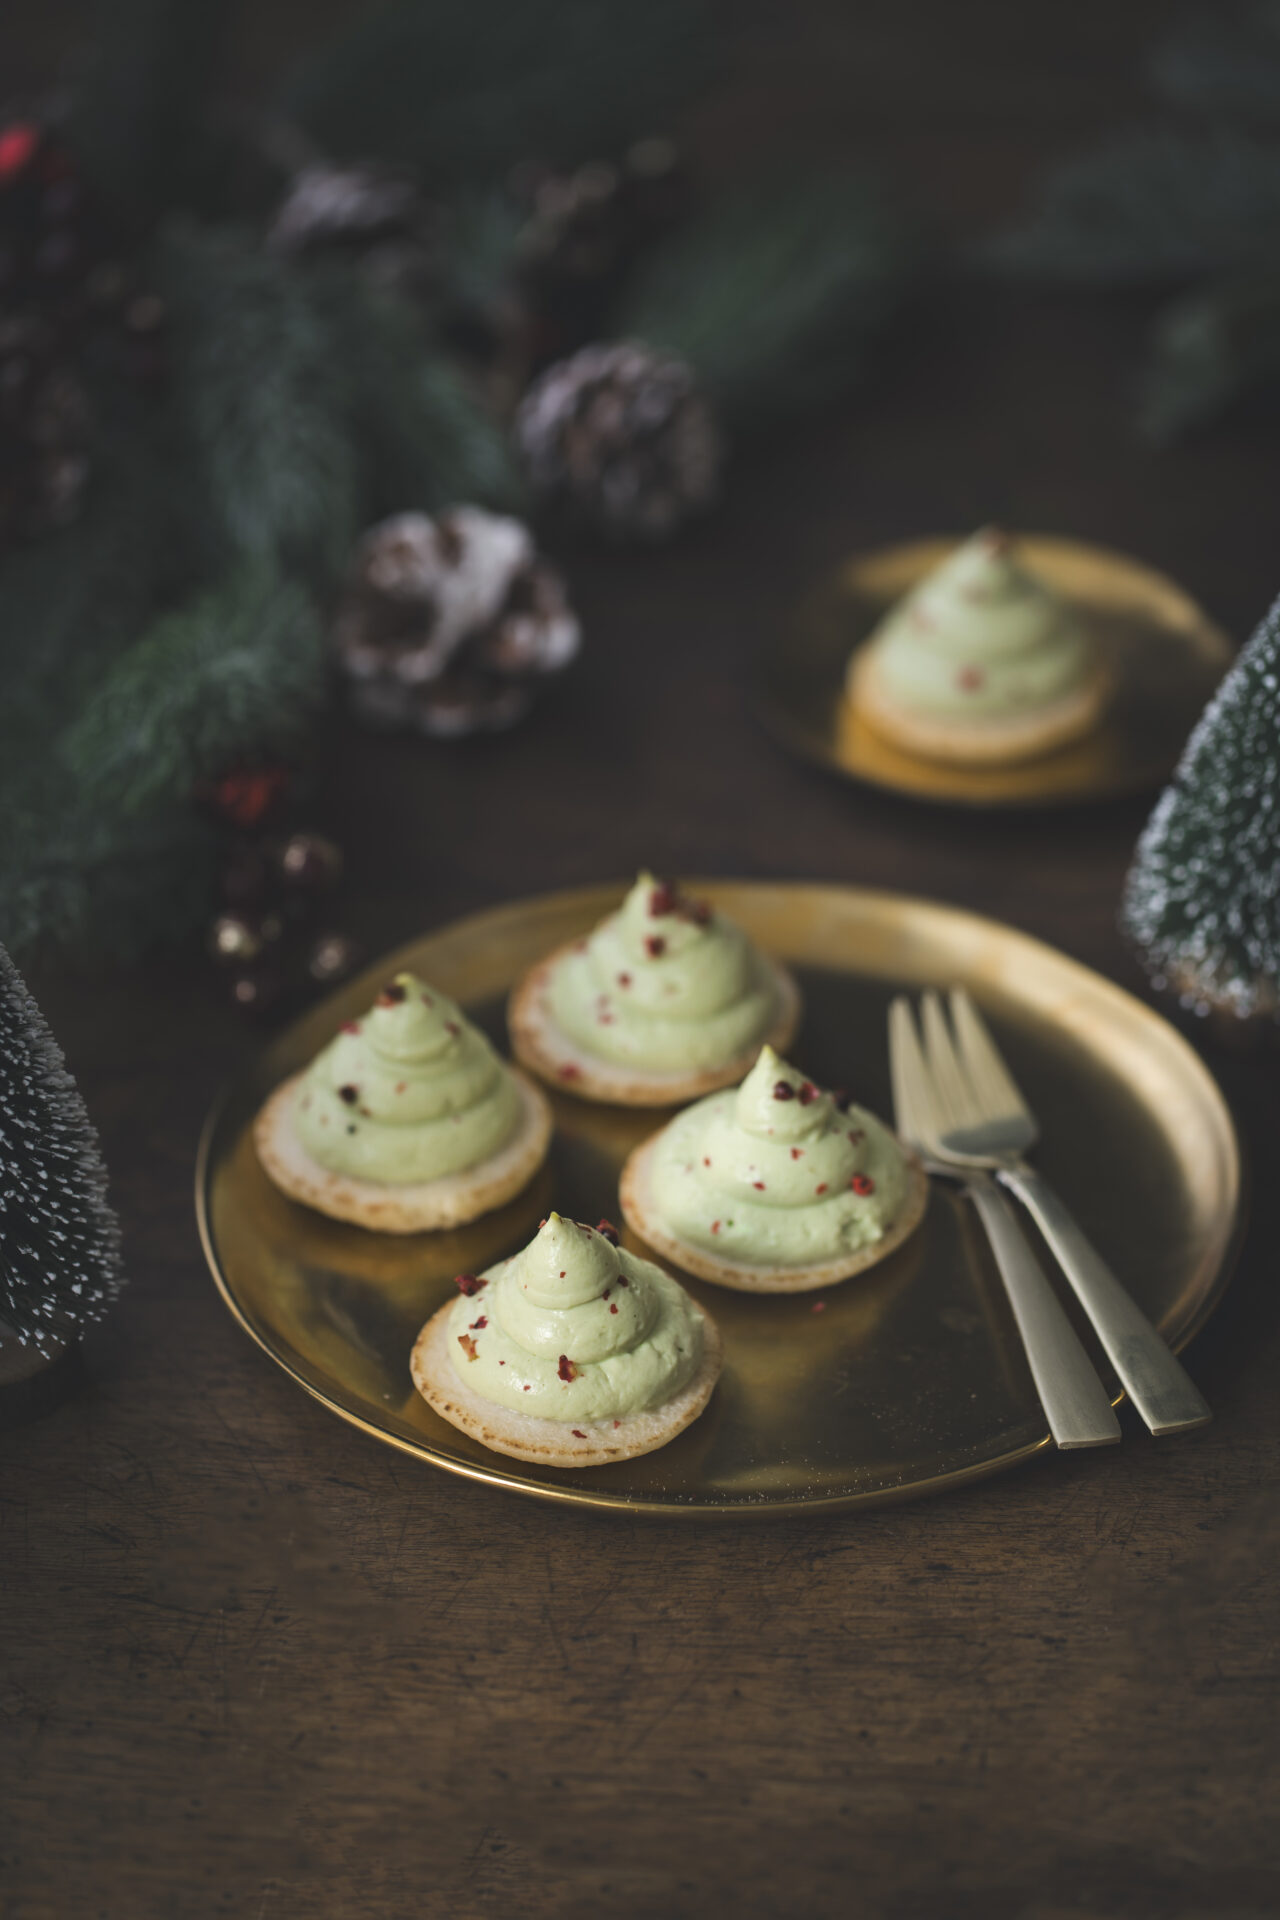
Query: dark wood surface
{"x": 255, "y": 1664}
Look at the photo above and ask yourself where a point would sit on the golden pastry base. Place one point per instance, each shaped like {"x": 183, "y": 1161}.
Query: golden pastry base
{"x": 907, "y": 1380}
{"x": 1164, "y": 654}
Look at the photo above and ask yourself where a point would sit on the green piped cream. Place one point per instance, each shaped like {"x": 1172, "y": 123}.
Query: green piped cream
{"x": 775, "y": 1173}
{"x": 664, "y": 985}
{"x": 410, "y": 1091}
{"x": 576, "y": 1330}
{"x": 981, "y": 639}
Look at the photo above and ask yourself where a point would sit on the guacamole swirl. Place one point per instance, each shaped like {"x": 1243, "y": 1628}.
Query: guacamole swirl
{"x": 980, "y": 638}
{"x": 573, "y": 1329}
{"x": 777, "y": 1173}
{"x": 665, "y": 985}
{"x": 409, "y": 1092}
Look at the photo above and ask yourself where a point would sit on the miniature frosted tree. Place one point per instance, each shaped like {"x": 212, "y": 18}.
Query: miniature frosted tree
{"x": 59, "y": 1241}
{"x": 1202, "y": 899}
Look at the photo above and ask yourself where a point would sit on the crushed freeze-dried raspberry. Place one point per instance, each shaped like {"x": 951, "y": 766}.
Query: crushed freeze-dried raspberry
{"x": 808, "y": 1093}
{"x": 696, "y": 910}
{"x": 783, "y": 1090}
{"x": 797, "y": 1153}
{"x": 349, "y": 1094}
{"x": 391, "y": 996}
{"x": 842, "y": 1099}
{"x": 821, "y": 1188}
{"x": 468, "y": 1345}
{"x": 577, "y": 1433}
{"x": 469, "y": 1283}
{"x": 863, "y": 1184}
{"x": 654, "y": 945}
{"x": 351, "y": 1026}
{"x": 856, "y": 1135}
{"x": 607, "y": 1231}
{"x": 758, "y": 1185}
{"x": 617, "y": 1423}
{"x": 663, "y": 899}
{"x": 705, "y": 1161}
{"x": 566, "y": 1368}
{"x": 570, "y": 1073}
{"x": 624, "y": 979}
{"x": 715, "y": 1226}
{"x": 483, "y": 1321}
{"x": 623, "y": 1280}
{"x": 613, "y": 1307}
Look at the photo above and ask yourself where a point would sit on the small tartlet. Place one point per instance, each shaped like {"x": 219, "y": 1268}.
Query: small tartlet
{"x": 775, "y": 1187}
{"x": 665, "y": 1000}
{"x": 981, "y": 664}
{"x": 407, "y": 1122}
{"x": 612, "y": 1354}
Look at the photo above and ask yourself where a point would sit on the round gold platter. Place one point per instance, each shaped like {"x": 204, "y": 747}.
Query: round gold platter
{"x": 1165, "y": 656}
{"x": 897, "y": 1384}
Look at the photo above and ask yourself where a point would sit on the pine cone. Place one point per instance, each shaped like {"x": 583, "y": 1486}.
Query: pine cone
{"x": 445, "y": 622}
{"x": 620, "y": 440}
{"x": 366, "y": 210}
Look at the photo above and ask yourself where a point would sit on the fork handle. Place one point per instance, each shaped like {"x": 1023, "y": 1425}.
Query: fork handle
{"x": 1075, "y": 1402}
{"x": 1157, "y": 1384}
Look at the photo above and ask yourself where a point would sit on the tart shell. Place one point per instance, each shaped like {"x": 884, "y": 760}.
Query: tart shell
{"x": 976, "y": 743}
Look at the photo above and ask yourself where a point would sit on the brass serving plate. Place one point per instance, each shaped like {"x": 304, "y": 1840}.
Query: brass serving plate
{"x": 1166, "y": 657}
{"x": 907, "y": 1380}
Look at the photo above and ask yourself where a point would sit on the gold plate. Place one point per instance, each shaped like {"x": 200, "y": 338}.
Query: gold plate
{"x": 898, "y": 1383}
{"x": 1165, "y": 654}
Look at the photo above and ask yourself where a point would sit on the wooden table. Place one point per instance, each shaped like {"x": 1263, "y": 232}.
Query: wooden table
{"x": 257, "y": 1665}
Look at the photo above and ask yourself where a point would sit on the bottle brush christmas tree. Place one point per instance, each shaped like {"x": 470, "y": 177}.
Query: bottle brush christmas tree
{"x": 59, "y": 1242}
{"x": 1202, "y": 899}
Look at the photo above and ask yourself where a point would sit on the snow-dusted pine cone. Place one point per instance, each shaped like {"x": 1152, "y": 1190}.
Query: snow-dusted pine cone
{"x": 620, "y": 440}
{"x": 446, "y": 622}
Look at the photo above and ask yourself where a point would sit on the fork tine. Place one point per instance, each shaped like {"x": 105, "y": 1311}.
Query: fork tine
{"x": 911, "y": 1103}
{"x": 954, "y": 1102}
{"x": 992, "y": 1084}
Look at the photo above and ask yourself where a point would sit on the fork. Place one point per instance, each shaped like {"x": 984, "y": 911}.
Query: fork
{"x": 987, "y": 1124}
{"x": 1076, "y": 1404}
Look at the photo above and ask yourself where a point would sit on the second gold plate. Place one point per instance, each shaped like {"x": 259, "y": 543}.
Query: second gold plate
{"x": 1164, "y": 654}
{"x": 902, "y": 1382}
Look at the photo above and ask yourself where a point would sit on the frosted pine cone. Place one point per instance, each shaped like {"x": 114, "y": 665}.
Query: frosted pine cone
{"x": 620, "y": 440}
{"x": 446, "y": 622}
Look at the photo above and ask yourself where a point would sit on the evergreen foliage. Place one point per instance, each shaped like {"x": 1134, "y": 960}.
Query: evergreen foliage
{"x": 1195, "y": 201}
{"x": 773, "y": 292}
{"x": 463, "y": 92}
{"x": 1202, "y": 899}
{"x": 235, "y": 673}
{"x": 59, "y": 1241}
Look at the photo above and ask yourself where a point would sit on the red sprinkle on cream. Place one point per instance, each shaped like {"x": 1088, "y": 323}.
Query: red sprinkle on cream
{"x": 613, "y": 1308}
{"x": 758, "y": 1185}
{"x": 654, "y": 945}
{"x": 607, "y": 1231}
{"x": 863, "y": 1184}
{"x": 483, "y": 1321}
{"x": 822, "y": 1188}
{"x": 570, "y": 1073}
{"x": 468, "y": 1283}
{"x": 391, "y": 996}
{"x": 663, "y": 899}
{"x": 783, "y": 1090}
{"x": 577, "y": 1433}
{"x": 808, "y": 1093}
{"x": 796, "y": 1152}
{"x": 624, "y": 979}
{"x": 715, "y": 1226}
{"x": 351, "y": 1026}
{"x": 566, "y": 1369}
{"x": 349, "y": 1094}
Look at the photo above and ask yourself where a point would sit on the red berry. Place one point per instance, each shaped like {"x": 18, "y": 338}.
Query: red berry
{"x": 863, "y": 1184}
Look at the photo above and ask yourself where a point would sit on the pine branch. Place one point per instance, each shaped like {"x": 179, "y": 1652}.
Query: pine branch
{"x": 1153, "y": 206}
{"x": 426, "y": 439}
{"x": 1224, "y": 62}
{"x": 235, "y": 672}
{"x": 463, "y": 92}
{"x": 259, "y": 393}
{"x": 1209, "y": 350}
{"x": 773, "y": 295}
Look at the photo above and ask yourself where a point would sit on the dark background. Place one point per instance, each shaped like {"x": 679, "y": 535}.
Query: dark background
{"x": 256, "y": 1665}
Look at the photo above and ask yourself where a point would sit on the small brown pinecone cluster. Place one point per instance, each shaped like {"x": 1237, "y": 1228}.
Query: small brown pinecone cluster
{"x": 68, "y": 301}
{"x": 367, "y": 211}
{"x": 620, "y": 441}
{"x": 448, "y": 623}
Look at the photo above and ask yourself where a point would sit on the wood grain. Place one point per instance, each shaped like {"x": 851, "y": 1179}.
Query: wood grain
{"x": 257, "y": 1665}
